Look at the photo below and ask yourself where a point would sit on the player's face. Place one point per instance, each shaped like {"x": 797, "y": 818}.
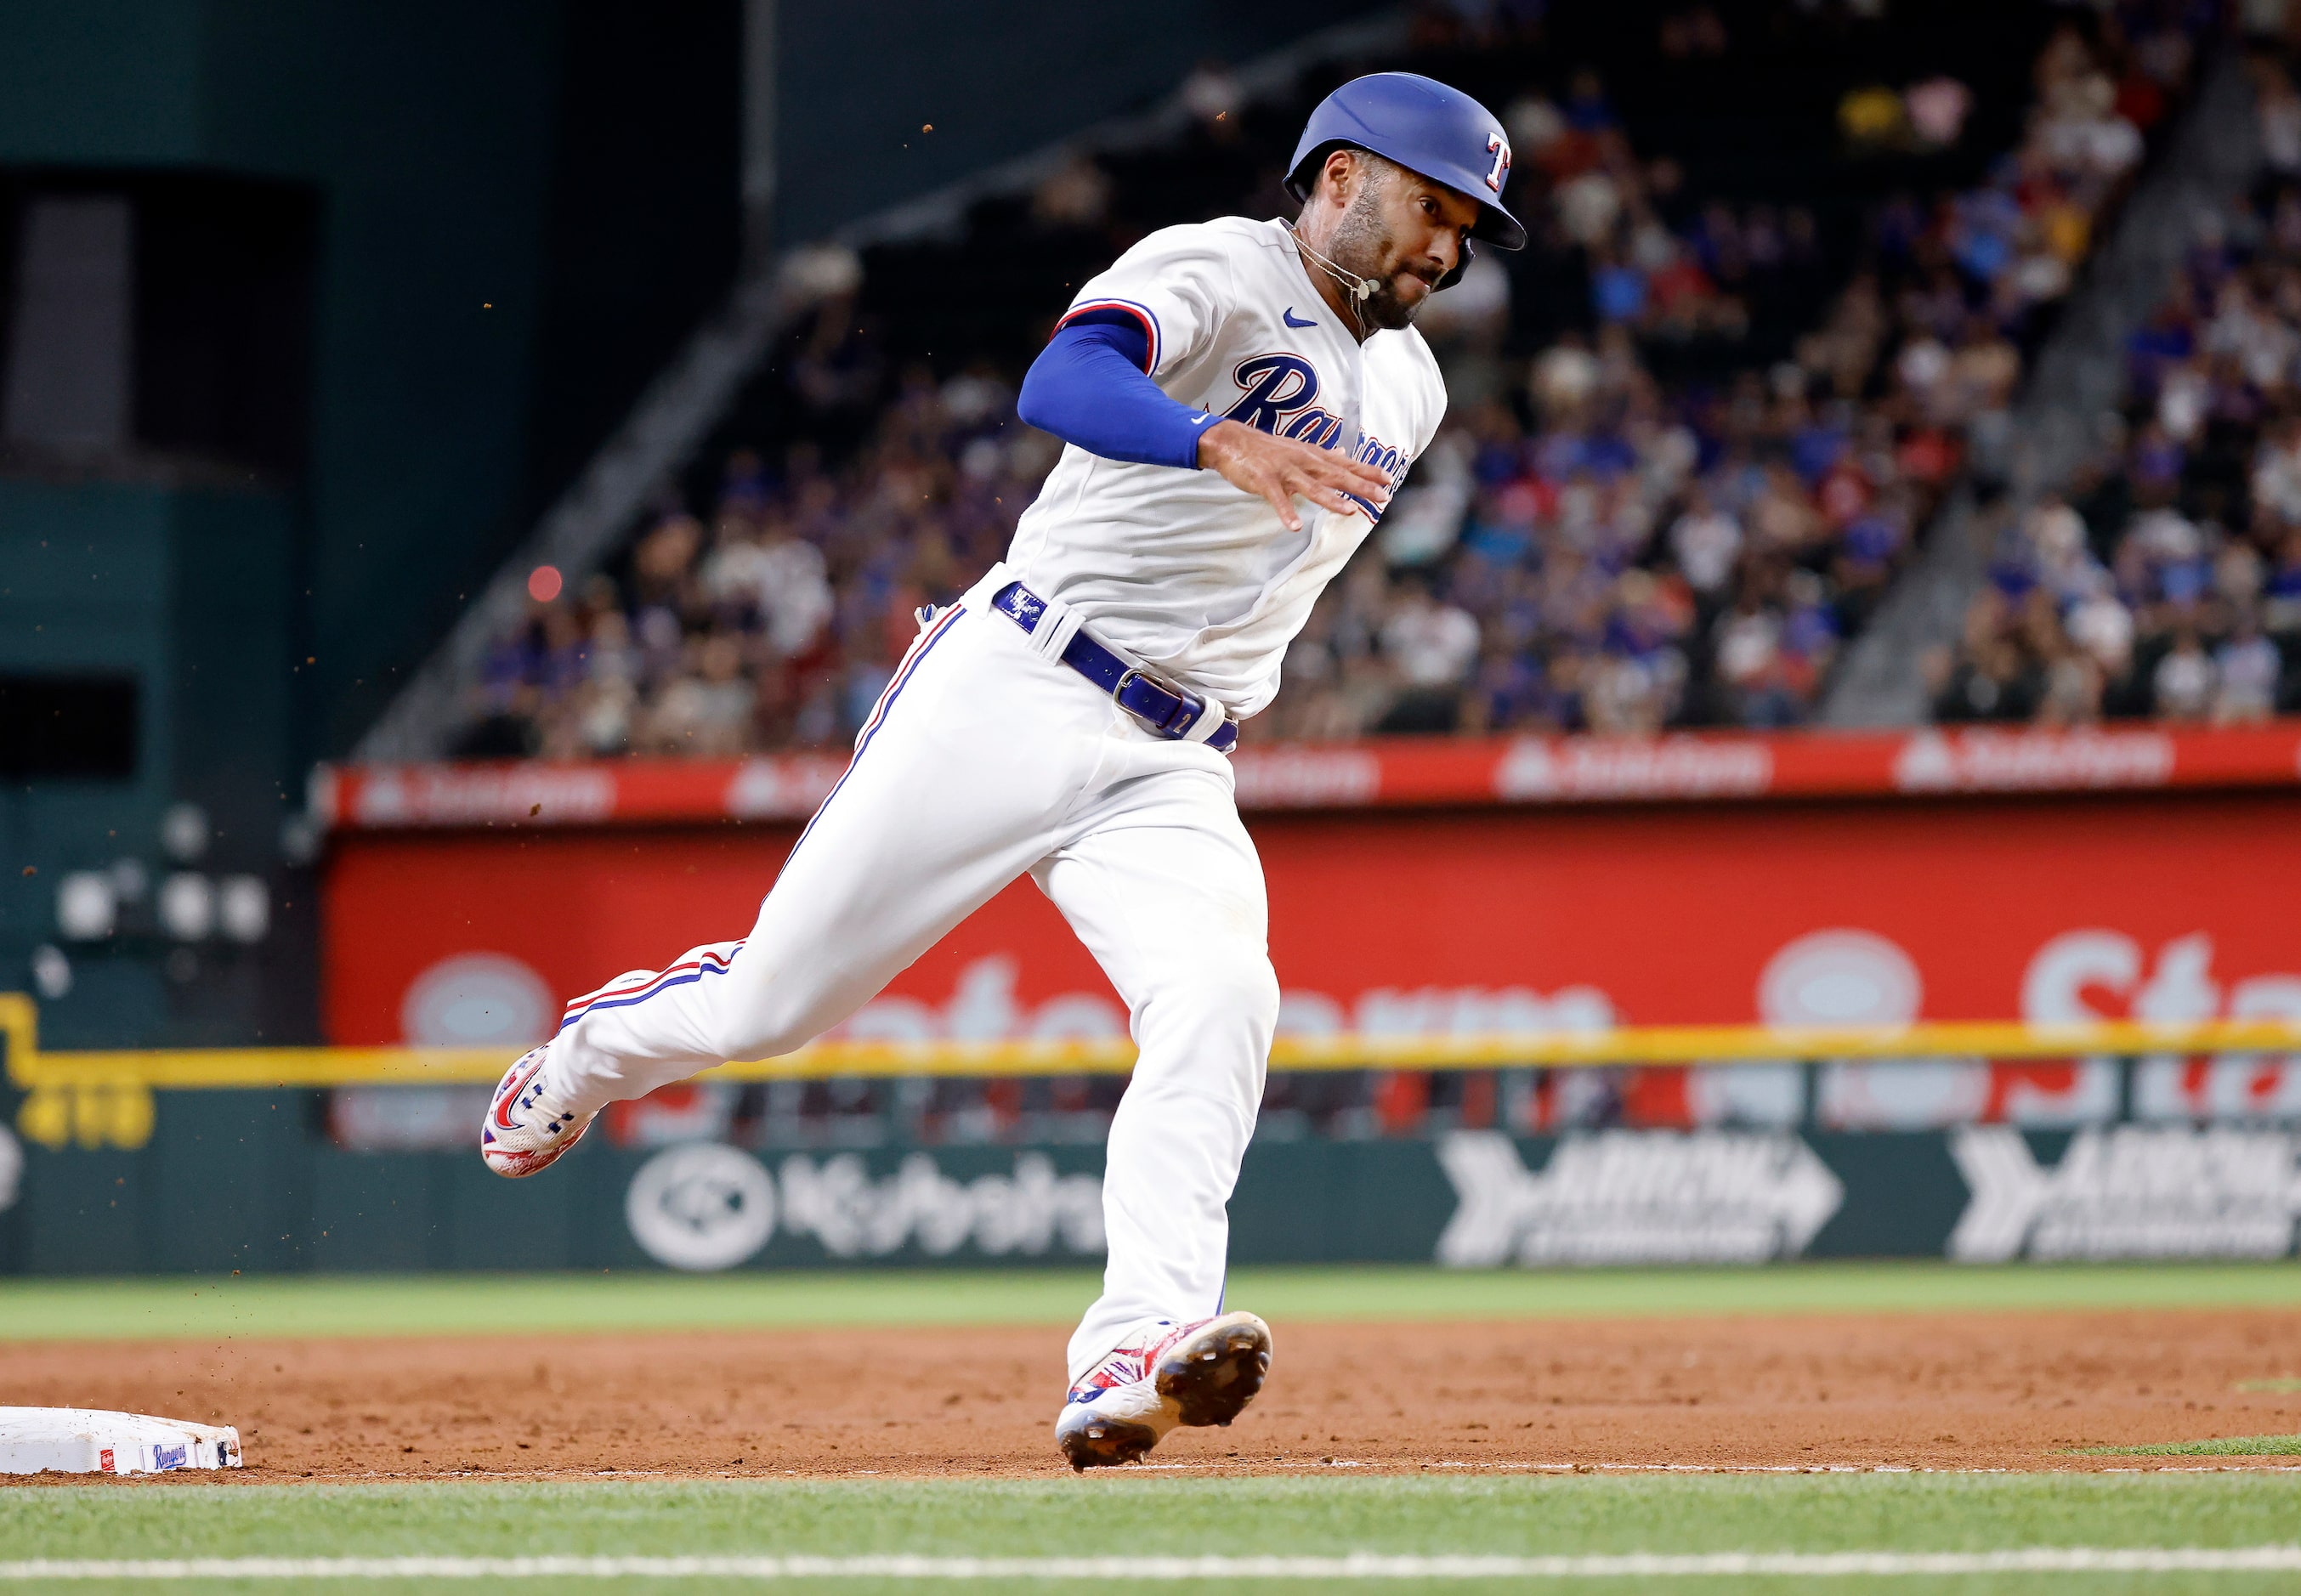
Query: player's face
{"x": 1407, "y": 232}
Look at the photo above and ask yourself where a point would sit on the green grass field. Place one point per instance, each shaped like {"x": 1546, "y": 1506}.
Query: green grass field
{"x": 476, "y": 1304}
{"x": 1138, "y": 1516}
{"x": 1594, "y": 1529}
{"x": 2226, "y": 1446}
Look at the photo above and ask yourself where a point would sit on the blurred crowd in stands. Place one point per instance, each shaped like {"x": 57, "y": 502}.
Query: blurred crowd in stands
{"x": 1672, "y": 507}
{"x": 2167, "y": 581}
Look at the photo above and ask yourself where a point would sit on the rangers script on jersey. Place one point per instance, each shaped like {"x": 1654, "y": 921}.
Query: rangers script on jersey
{"x": 1195, "y": 578}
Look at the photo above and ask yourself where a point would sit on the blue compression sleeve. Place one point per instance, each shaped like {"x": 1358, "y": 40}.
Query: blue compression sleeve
{"x": 1089, "y": 386}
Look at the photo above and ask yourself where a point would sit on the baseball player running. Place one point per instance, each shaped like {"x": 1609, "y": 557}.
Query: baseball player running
{"x": 1238, "y": 400}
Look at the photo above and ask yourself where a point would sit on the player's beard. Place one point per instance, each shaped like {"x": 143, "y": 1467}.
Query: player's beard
{"x": 1363, "y": 246}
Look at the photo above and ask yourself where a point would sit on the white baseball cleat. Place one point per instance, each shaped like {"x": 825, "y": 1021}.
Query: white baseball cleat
{"x": 526, "y": 1127}
{"x": 1162, "y": 1375}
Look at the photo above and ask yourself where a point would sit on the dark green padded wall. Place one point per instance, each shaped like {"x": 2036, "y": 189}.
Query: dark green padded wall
{"x": 188, "y": 593}
{"x": 427, "y": 129}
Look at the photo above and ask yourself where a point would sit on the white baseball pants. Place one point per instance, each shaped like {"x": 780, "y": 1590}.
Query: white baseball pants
{"x": 985, "y": 760}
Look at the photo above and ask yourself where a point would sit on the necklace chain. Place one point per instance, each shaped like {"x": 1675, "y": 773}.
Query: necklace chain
{"x": 1350, "y": 280}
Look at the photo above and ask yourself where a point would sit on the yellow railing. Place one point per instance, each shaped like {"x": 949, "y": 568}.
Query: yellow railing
{"x": 100, "y": 1096}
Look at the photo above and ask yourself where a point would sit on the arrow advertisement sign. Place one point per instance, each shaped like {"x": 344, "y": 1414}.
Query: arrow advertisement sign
{"x": 2127, "y": 1191}
{"x": 1645, "y": 1197}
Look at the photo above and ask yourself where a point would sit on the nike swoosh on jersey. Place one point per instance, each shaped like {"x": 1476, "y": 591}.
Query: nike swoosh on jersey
{"x": 1287, "y": 316}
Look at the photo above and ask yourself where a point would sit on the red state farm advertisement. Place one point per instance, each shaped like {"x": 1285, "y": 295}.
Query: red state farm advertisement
{"x": 1477, "y": 921}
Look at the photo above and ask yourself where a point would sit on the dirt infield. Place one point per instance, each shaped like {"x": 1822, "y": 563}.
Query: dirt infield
{"x": 1969, "y": 1391}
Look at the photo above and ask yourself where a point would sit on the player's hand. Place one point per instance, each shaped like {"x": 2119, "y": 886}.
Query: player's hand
{"x": 1282, "y": 469}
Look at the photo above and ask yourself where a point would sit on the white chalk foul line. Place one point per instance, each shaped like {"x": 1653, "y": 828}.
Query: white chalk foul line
{"x": 1370, "y": 1566}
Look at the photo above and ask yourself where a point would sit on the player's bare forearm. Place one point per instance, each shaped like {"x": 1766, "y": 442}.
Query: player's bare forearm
{"x": 1282, "y": 469}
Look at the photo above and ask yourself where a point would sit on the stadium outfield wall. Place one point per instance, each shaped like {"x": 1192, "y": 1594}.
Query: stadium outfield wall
{"x": 1420, "y": 888}
{"x": 1433, "y": 905}
{"x": 252, "y": 1183}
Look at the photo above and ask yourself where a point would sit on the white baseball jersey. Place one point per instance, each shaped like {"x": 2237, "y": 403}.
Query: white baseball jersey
{"x": 1194, "y": 577}
{"x": 985, "y": 760}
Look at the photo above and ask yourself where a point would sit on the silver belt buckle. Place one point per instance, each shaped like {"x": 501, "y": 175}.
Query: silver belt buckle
{"x": 1181, "y": 695}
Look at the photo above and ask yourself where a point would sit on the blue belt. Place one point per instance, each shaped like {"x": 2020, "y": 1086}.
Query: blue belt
{"x": 1169, "y": 711}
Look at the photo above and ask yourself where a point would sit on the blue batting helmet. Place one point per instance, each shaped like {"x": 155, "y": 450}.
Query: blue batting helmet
{"x": 1426, "y": 127}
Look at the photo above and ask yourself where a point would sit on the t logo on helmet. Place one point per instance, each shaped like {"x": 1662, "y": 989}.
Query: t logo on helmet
{"x": 1434, "y": 131}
